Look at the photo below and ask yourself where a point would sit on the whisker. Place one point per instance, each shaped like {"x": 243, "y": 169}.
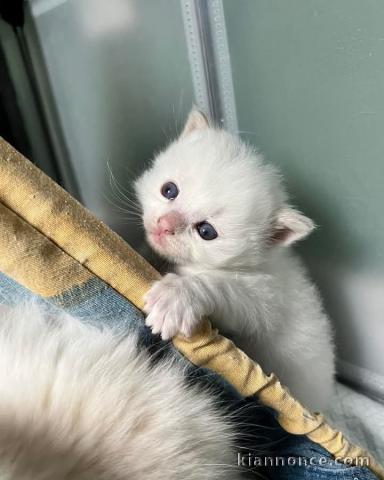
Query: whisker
{"x": 246, "y": 132}
{"x": 120, "y": 194}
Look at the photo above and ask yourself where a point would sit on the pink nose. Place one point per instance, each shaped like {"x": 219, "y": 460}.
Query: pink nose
{"x": 170, "y": 222}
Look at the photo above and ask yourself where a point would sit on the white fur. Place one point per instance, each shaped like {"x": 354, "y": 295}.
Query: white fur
{"x": 80, "y": 403}
{"x": 246, "y": 280}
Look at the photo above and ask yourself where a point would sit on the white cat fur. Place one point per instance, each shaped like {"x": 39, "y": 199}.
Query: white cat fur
{"x": 78, "y": 403}
{"x": 246, "y": 280}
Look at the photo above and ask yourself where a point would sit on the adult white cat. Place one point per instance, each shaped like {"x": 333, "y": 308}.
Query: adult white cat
{"x": 220, "y": 214}
{"x": 78, "y": 403}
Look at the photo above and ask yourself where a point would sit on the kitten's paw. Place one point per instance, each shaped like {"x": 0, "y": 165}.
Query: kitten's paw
{"x": 170, "y": 307}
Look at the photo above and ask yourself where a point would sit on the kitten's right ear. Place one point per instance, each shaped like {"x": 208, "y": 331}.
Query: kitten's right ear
{"x": 196, "y": 121}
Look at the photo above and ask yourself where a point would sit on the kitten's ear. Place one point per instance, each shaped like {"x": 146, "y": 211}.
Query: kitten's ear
{"x": 195, "y": 121}
{"x": 290, "y": 226}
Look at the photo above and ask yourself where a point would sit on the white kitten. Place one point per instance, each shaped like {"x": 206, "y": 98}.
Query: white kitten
{"x": 78, "y": 403}
{"x": 211, "y": 206}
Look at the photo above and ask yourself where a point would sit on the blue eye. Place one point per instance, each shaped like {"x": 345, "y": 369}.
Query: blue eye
{"x": 206, "y": 231}
{"x": 169, "y": 190}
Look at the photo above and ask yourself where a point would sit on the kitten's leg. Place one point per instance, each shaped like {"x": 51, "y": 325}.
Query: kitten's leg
{"x": 177, "y": 303}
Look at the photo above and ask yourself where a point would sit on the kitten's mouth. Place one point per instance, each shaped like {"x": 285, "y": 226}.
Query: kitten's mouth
{"x": 162, "y": 243}
{"x": 160, "y": 240}
{"x": 157, "y": 238}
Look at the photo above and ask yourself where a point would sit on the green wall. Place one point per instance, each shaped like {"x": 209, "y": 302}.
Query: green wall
{"x": 309, "y": 86}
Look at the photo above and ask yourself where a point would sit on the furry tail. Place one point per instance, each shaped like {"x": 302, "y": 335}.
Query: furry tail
{"x": 80, "y": 403}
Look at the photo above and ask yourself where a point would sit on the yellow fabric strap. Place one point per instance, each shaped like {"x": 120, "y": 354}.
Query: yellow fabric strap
{"x": 49, "y": 243}
{"x": 31, "y": 259}
{"x": 45, "y": 206}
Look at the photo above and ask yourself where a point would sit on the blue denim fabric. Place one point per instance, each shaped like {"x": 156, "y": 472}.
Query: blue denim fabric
{"x": 302, "y": 459}
{"x": 97, "y": 303}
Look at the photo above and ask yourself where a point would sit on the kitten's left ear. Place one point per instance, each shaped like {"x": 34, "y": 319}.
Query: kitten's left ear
{"x": 196, "y": 121}
{"x": 290, "y": 226}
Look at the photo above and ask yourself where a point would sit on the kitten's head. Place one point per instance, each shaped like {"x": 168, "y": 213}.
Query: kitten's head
{"x": 209, "y": 200}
